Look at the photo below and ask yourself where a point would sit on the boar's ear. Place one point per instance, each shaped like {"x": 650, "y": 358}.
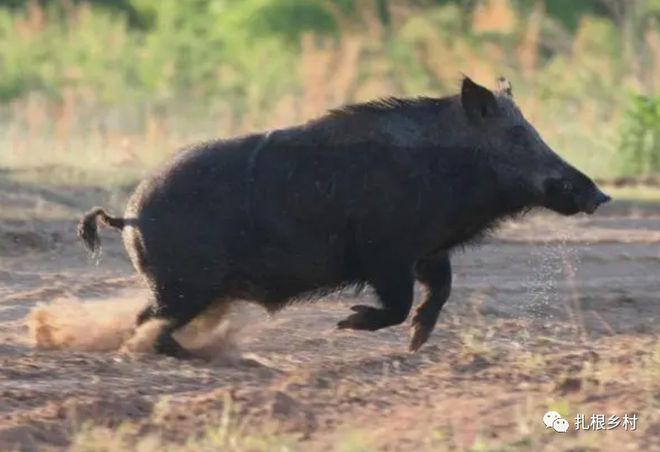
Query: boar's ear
{"x": 478, "y": 102}
{"x": 504, "y": 86}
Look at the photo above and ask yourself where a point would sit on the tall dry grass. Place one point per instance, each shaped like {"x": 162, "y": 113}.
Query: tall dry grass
{"x": 576, "y": 95}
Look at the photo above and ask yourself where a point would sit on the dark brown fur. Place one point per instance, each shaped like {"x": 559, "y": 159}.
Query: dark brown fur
{"x": 376, "y": 193}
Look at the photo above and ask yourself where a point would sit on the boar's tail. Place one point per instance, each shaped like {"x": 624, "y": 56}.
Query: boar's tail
{"x": 88, "y": 230}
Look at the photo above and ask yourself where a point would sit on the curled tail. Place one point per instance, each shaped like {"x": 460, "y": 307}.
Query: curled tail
{"x": 88, "y": 230}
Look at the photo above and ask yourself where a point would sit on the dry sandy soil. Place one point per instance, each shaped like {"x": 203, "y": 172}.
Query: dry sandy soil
{"x": 551, "y": 313}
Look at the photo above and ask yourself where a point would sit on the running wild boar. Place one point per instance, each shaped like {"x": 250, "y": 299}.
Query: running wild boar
{"x": 376, "y": 193}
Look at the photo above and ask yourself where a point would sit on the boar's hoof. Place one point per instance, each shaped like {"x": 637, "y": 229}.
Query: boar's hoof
{"x": 167, "y": 345}
{"x": 365, "y": 318}
{"x": 419, "y": 335}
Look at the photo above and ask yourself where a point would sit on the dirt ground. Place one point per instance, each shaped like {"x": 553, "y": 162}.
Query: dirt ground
{"x": 549, "y": 314}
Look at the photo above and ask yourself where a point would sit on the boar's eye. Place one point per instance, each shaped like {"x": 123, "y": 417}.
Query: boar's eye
{"x": 566, "y": 187}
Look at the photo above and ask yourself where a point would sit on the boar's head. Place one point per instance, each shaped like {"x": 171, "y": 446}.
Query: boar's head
{"x": 523, "y": 162}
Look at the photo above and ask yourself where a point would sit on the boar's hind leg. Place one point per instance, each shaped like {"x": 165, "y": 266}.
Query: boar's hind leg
{"x": 177, "y": 305}
{"x": 395, "y": 291}
{"x": 435, "y": 273}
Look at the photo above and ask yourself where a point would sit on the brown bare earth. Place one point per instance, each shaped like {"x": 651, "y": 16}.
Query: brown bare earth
{"x": 550, "y": 314}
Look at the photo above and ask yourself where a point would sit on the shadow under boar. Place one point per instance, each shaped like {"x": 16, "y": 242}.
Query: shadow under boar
{"x": 376, "y": 193}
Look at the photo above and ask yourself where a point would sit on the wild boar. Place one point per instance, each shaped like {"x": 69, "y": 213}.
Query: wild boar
{"x": 377, "y": 193}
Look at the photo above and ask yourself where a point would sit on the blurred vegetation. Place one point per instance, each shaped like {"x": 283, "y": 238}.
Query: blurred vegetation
{"x": 641, "y": 135}
{"x": 116, "y": 82}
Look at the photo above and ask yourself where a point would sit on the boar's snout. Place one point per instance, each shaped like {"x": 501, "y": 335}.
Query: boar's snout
{"x": 597, "y": 200}
{"x": 573, "y": 193}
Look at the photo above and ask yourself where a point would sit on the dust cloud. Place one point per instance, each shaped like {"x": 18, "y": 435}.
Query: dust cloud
{"x": 109, "y": 326}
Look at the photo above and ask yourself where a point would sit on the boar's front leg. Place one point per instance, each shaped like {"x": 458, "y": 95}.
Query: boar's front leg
{"x": 435, "y": 273}
{"x": 394, "y": 286}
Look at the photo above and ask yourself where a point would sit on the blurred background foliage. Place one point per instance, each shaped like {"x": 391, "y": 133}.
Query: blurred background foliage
{"x": 120, "y": 84}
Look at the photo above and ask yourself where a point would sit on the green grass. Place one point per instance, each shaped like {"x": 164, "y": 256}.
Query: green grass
{"x": 237, "y": 66}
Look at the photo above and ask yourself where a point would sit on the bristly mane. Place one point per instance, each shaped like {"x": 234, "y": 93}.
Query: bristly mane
{"x": 387, "y": 105}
